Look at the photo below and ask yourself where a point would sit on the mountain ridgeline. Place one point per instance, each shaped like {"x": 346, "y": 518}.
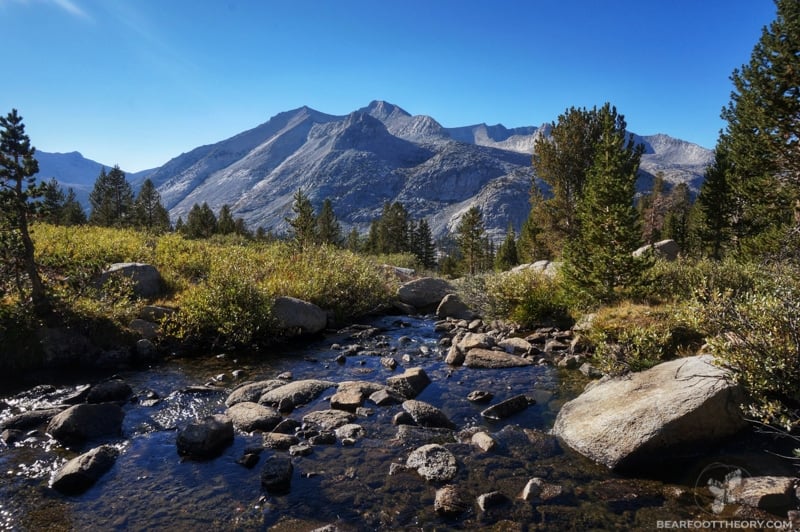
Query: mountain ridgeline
{"x": 377, "y": 154}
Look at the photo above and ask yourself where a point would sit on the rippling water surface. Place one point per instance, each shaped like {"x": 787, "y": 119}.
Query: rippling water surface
{"x": 152, "y": 488}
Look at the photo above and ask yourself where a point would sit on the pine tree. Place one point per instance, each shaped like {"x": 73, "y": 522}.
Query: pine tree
{"x": 328, "y": 229}
{"x": 72, "y": 211}
{"x": 226, "y": 225}
{"x": 676, "y": 220}
{"x": 53, "y": 199}
{"x": 200, "y": 222}
{"x": 653, "y": 208}
{"x": 148, "y": 212}
{"x": 303, "y": 226}
{"x": 353, "y": 241}
{"x": 19, "y": 198}
{"x": 471, "y": 238}
{"x": 507, "y": 256}
{"x": 599, "y": 260}
{"x": 426, "y": 247}
{"x": 111, "y": 199}
{"x": 561, "y": 162}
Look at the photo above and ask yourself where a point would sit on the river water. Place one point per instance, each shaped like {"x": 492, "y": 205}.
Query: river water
{"x": 152, "y": 488}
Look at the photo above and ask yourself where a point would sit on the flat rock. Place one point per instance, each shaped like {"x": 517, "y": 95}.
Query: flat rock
{"x": 410, "y": 384}
{"x": 508, "y": 407}
{"x": 295, "y": 393}
{"x": 433, "y": 462}
{"x": 249, "y": 416}
{"x": 80, "y": 473}
{"x": 251, "y": 392}
{"x": 488, "y": 359}
{"x": 277, "y": 440}
{"x": 633, "y": 421}
{"x": 328, "y": 419}
{"x": 386, "y": 397}
{"x": 515, "y": 346}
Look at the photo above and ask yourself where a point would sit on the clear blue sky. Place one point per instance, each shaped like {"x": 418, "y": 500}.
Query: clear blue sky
{"x": 137, "y": 82}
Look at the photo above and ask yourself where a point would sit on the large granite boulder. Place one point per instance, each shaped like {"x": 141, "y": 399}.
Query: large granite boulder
{"x": 296, "y": 393}
{"x": 251, "y": 392}
{"x": 297, "y": 316}
{"x": 80, "y": 473}
{"x": 410, "y": 383}
{"x": 206, "y": 438}
{"x": 424, "y": 293}
{"x": 84, "y": 422}
{"x": 489, "y": 359}
{"x": 664, "y": 249}
{"x": 636, "y": 420}
{"x": 248, "y": 417}
{"x": 451, "y": 306}
{"x": 146, "y": 278}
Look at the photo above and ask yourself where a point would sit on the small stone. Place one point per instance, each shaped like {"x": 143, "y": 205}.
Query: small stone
{"x": 450, "y": 501}
{"x": 402, "y": 418}
{"x": 479, "y": 396}
{"x": 388, "y": 363}
{"x": 491, "y": 500}
{"x": 248, "y": 460}
{"x": 300, "y": 449}
{"x": 483, "y": 441}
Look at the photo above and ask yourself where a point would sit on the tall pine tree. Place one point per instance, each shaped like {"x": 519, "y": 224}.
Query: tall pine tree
{"x": 148, "y": 212}
{"x": 303, "y": 225}
{"x": 328, "y": 229}
{"x": 471, "y": 238}
{"x": 111, "y": 200}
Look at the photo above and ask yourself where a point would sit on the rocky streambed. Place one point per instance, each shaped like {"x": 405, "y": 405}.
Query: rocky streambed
{"x": 403, "y": 423}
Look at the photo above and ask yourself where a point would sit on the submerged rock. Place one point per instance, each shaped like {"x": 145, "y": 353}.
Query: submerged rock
{"x": 450, "y": 501}
{"x": 427, "y": 415}
{"x": 276, "y": 476}
{"x": 433, "y": 462}
{"x": 206, "y": 438}
{"x": 508, "y": 408}
{"x": 80, "y": 473}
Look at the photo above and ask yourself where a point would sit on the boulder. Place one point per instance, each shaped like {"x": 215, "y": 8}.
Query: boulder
{"x": 84, "y": 422}
{"x": 433, "y": 462}
{"x": 633, "y": 421}
{"x": 251, "y": 392}
{"x": 276, "y": 440}
{"x": 424, "y": 293}
{"x": 296, "y": 393}
{"x": 427, "y": 415}
{"x": 146, "y": 278}
{"x": 348, "y": 400}
{"x": 410, "y": 384}
{"x": 665, "y": 249}
{"x": 109, "y": 391}
{"x": 247, "y": 417}
{"x": 451, "y": 306}
{"x": 488, "y": 359}
{"x": 206, "y": 438}
{"x": 328, "y": 419}
{"x": 296, "y": 315}
{"x": 80, "y": 473}
{"x": 386, "y": 397}
{"x": 515, "y": 346}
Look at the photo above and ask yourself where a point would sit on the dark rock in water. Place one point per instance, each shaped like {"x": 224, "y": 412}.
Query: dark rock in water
{"x": 109, "y": 391}
{"x": 427, "y": 415}
{"x": 206, "y": 438}
{"x": 11, "y": 436}
{"x": 80, "y": 473}
{"x": 386, "y": 397}
{"x": 31, "y": 419}
{"x": 403, "y": 418}
{"x": 249, "y": 460}
{"x": 84, "y": 422}
{"x": 508, "y": 408}
{"x": 537, "y": 490}
{"x": 287, "y": 426}
{"x": 479, "y": 396}
{"x": 276, "y": 476}
{"x": 300, "y": 449}
{"x": 325, "y": 437}
{"x": 491, "y": 500}
{"x": 411, "y": 434}
{"x": 410, "y": 383}
{"x": 450, "y": 501}
{"x": 276, "y": 440}
{"x": 78, "y": 397}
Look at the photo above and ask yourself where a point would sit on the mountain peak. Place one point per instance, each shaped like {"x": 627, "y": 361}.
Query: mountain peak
{"x": 384, "y": 110}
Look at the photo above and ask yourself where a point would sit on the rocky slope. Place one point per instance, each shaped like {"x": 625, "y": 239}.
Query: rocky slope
{"x": 381, "y": 153}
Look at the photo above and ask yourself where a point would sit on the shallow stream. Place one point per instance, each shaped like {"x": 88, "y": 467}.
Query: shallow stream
{"x": 349, "y": 486}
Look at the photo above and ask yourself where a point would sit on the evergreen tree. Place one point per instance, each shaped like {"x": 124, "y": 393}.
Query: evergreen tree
{"x": 303, "y": 226}
{"x": 111, "y": 199}
{"x": 425, "y": 247}
{"x": 471, "y": 238}
{"x": 653, "y": 208}
{"x": 53, "y": 200}
{"x": 19, "y": 198}
{"x": 676, "y": 220}
{"x": 394, "y": 237}
{"x": 226, "y": 225}
{"x": 72, "y": 211}
{"x": 599, "y": 260}
{"x": 353, "y": 241}
{"x": 561, "y": 162}
{"x": 328, "y": 229}
{"x": 200, "y": 222}
{"x": 148, "y": 212}
{"x": 240, "y": 228}
{"x": 179, "y": 225}
{"x": 507, "y": 256}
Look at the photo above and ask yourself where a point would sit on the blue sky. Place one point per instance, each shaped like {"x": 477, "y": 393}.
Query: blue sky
{"x": 137, "y": 82}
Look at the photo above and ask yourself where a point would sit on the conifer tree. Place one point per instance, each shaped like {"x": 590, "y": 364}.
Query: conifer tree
{"x": 53, "y": 199}
{"x": 200, "y": 222}
{"x": 72, "y": 211}
{"x": 653, "y": 208}
{"x": 111, "y": 199}
{"x": 676, "y": 220}
{"x": 226, "y": 225}
{"x": 425, "y": 247}
{"x": 471, "y": 238}
{"x": 353, "y": 241}
{"x": 19, "y": 198}
{"x": 507, "y": 256}
{"x": 599, "y": 260}
{"x": 303, "y": 225}
{"x": 148, "y": 212}
{"x": 328, "y": 229}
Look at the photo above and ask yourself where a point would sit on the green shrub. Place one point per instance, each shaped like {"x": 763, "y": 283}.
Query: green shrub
{"x": 687, "y": 278}
{"x": 634, "y": 337}
{"x": 757, "y": 335}
{"x": 527, "y": 297}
